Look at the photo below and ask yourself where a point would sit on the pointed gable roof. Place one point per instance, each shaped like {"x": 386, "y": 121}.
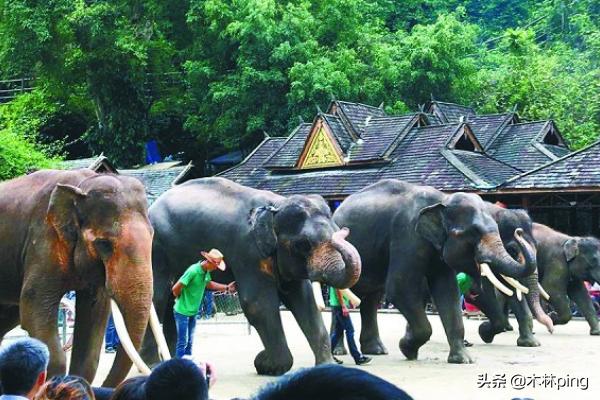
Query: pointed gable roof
{"x": 449, "y": 112}
{"x": 487, "y": 127}
{"x": 287, "y": 155}
{"x": 580, "y": 169}
{"x": 522, "y": 145}
{"x": 355, "y": 115}
{"x": 324, "y": 145}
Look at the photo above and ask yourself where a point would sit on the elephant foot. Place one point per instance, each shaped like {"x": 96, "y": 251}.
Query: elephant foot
{"x": 273, "y": 364}
{"x": 460, "y": 357}
{"x": 340, "y": 349}
{"x": 595, "y": 331}
{"x": 528, "y": 341}
{"x": 410, "y": 351}
{"x": 373, "y": 347}
{"x": 508, "y": 328}
{"x": 486, "y": 332}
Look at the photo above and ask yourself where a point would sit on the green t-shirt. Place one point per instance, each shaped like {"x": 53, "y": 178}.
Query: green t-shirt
{"x": 194, "y": 280}
{"x": 333, "y": 300}
{"x": 464, "y": 283}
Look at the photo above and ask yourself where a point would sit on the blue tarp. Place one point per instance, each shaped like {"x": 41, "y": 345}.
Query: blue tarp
{"x": 235, "y": 157}
{"x": 152, "y": 152}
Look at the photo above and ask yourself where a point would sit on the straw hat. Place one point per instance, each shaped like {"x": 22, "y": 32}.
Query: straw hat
{"x": 215, "y": 257}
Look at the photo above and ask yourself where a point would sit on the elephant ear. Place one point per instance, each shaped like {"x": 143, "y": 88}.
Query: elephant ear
{"x": 571, "y": 249}
{"x": 61, "y": 213}
{"x": 261, "y": 225}
{"x": 430, "y": 225}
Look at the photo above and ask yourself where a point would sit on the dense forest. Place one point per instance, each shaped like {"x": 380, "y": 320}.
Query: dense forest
{"x": 202, "y": 77}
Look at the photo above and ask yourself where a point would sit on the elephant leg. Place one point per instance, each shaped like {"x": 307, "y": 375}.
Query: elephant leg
{"x": 445, "y": 295}
{"x": 578, "y": 292}
{"x": 39, "y": 317}
{"x": 406, "y": 294}
{"x": 9, "y": 318}
{"x": 299, "y": 299}
{"x": 562, "y": 308}
{"x": 370, "y": 342}
{"x": 525, "y": 321}
{"x": 260, "y": 301}
{"x": 488, "y": 303}
{"x": 91, "y": 310}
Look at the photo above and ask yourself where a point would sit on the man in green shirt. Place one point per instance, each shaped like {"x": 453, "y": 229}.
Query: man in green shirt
{"x": 339, "y": 312}
{"x": 188, "y": 292}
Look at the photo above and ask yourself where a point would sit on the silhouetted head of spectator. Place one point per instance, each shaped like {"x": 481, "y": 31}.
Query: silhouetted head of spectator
{"x": 331, "y": 382}
{"x": 177, "y": 378}
{"x": 23, "y": 365}
{"x": 65, "y": 387}
{"x": 131, "y": 389}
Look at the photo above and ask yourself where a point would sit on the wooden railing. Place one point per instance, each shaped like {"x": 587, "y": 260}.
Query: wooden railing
{"x": 10, "y": 88}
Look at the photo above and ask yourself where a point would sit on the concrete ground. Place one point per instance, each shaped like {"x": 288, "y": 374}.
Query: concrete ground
{"x": 570, "y": 357}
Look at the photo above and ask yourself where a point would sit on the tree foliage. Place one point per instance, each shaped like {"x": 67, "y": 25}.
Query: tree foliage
{"x": 217, "y": 74}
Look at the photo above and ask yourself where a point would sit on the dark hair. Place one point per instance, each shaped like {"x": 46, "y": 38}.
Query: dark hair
{"x": 21, "y": 362}
{"x": 131, "y": 389}
{"x": 65, "y": 387}
{"x": 177, "y": 378}
{"x": 332, "y": 382}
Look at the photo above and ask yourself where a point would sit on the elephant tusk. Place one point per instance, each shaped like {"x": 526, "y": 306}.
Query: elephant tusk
{"x": 318, "y": 294}
{"x": 354, "y": 300}
{"x": 126, "y": 342}
{"x": 161, "y": 341}
{"x": 516, "y": 284}
{"x": 519, "y": 294}
{"x": 487, "y": 272}
{"x": 544, "y": 294}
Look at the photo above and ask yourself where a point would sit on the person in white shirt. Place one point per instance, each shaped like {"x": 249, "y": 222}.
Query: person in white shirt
{"x": 23, "y": 368}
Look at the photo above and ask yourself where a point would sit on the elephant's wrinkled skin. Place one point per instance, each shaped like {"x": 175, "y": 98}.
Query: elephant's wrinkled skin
{"x": 410, "y": 237}
{"x": 564, "y": 263}
{"x": 492, "y": 303}
{"x": 75, "y": 230}
{"x": 273, "y": 247}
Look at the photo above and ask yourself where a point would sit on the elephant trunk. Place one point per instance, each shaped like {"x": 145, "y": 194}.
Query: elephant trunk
{"x": 491, "y": 251}
{"x": 337, "y": 263}
{"x": 533, "y": 300}
{"x": 129, "y": 284}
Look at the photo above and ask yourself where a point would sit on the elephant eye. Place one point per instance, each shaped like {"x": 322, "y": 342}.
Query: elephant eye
{"x": 104, "y": 247}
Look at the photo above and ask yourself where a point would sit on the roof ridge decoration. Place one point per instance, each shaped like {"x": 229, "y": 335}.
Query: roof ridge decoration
{"x": 321, "y": 149}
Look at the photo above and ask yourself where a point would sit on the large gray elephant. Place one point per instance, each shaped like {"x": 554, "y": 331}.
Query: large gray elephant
{"x": 412, "y": 237}
{"x": 273, "y": 246}
{"x": 83, "y": 231}
{"x": 494, "y": 303}
{"x": 564, "y": 263}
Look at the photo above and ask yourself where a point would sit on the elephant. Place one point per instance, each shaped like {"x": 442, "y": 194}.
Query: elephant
{"x": 413, "y": 237}
{"x": 492, "y": 304}
{"x": 83, "y": 231}
{"x": 274, "y": 246}
{"x": 564, "y": 262}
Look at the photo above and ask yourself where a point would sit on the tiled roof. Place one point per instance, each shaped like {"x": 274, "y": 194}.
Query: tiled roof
{"x": 453, "y": 112}
{"x": 558, "y": 151}
{"x": 343, "y": 137}
{"x": 377, "y": 137}
{"x": 514, "y": 146}
{"x": 485, "y": 127}
{"x": 357, "y": 114}
{"x": 421, "y": 157}
{"x": 577, "y": 169}
{"x": 97, "y": 163}
{"x": 489, "y": 169}
{"x": 158, "y": 181}
{"x": 287, "y": 155}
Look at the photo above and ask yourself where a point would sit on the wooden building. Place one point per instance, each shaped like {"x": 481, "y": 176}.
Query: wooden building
{"x": 447, "y": 146}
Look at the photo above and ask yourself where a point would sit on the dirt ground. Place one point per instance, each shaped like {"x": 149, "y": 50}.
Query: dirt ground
{"x": 568, "y": 357}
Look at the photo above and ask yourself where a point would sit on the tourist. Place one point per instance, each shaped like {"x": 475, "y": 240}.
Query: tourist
{"x": 66, "y": 387}
{"x": 178, "y": 378}
{"x": 23, "y": 368}
{"x": 131, "y": 389}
